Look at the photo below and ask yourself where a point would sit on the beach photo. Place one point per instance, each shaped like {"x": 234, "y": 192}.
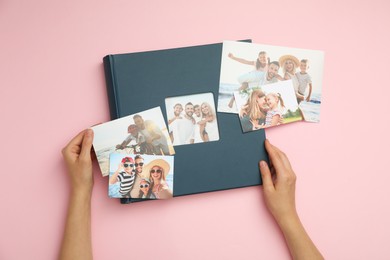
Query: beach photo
{"x": 272, "y": 105}
{"x": 192, "y": 119}
{"x": 141, "y": 176}
{"x": 141, "y": 133}
{"x": 246, "y": 66}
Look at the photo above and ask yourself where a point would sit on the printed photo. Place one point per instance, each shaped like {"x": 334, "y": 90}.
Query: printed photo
{"x": 192, "y": 119}
{"x": 271, "y": 105}
{"x": 140, "y": 176}
{"x": 246, "y": 66}
{"x": 141, "y": 133}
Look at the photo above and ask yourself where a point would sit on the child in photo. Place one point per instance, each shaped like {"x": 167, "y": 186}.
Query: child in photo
{"x": 304, "y": 80}
{"x": 260, "y": 67}
{"x": 275, "y": 113}
{"x": 145, "y": 191}
{"x": 125, "y": 175}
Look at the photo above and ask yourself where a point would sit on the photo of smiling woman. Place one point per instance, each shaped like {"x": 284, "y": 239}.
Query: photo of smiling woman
{"x": 272, "y": 105}
{"x": 253, "y": 113}
{"x": 158, "y": 170}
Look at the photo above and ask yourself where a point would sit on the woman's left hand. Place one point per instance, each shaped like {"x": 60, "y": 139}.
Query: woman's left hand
{"x": 78, "y": 159}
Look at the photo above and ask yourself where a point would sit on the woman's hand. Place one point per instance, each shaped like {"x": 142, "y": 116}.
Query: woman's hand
{"x": 279, "y": 195}
{"x": 78, "y": 159}
{"x": 278, "y": 183}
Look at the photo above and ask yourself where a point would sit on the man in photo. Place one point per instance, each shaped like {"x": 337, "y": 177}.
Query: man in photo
{"x": 197, "y": 113}
{"x": 186, "y": 126}
{"x": 153, "y": 135}
{"x": 272, "y": 73}
{"x": 139, "y": 164}
{"x": 134, "y": 135}
{"x": 125, "y": 175}
{"x": 172, "y": 123}
{"x": 199, "y": 135}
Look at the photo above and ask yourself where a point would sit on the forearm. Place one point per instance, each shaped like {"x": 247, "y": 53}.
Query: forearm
{"x": 113, "y": 178}
{"x": 76, "y": 242}
{"x": 298, "y": 241}
{"x": 243, "y": 61}
{"x": 310, "y": 90}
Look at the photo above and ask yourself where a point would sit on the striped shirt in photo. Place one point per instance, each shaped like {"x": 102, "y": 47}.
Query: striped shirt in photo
{"x": 126, "y": 182}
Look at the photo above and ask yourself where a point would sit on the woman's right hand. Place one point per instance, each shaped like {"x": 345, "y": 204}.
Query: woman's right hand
{"x": 278, "y": 184}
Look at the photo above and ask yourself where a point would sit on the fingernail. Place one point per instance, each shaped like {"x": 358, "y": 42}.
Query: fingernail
{"x": 89, "y": 132}
{"x": 263, "y": 164}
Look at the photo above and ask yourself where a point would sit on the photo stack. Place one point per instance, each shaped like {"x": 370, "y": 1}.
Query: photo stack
{"x": 270, "y": 85}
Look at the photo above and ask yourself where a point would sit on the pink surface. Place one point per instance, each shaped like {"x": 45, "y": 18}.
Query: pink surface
{"x": 52, "y": 86}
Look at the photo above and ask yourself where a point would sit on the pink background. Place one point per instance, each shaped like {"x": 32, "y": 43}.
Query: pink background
{"x": 52, "y": 86}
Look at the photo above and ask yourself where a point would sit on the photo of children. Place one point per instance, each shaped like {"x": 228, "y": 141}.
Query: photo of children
{"x": 272, "y": 105}
{"x": 141, "y": 133}
{"x": 246, "y": 66}
{"x": 192, "y": 119}
{"x": 141, "y": 176}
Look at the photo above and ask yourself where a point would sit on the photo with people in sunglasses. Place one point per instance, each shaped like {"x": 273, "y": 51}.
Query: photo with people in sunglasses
{"x": 140, "y": 176}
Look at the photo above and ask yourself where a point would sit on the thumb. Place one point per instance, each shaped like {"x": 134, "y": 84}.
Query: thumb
{"x": 266, "y": 176}
{"x": 87, "y": 144}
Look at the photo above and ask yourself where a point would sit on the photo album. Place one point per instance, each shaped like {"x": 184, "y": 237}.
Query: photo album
{"x": 181, "y": 117}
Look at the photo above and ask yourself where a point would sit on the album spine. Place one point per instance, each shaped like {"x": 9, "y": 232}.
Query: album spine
{"x": 109, "y": 71}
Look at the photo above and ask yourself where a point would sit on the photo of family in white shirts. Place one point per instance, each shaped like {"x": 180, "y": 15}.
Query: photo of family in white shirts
{"x": 192, "y": 119}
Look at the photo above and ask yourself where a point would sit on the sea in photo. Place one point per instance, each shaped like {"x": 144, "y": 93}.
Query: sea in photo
{"x": 225, "y": 94}
{"x": 311, "y": 109}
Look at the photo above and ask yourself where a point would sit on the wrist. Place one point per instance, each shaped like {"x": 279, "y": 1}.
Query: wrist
{"x": 82, "y": 193}
{"x": 288, "y": 221}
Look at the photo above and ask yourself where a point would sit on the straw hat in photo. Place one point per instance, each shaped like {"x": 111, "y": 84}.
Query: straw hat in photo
{"x": 284, "y": 58}
{"x": 158, "y": 162}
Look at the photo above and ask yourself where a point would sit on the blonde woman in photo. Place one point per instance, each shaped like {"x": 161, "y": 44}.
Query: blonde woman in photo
{"x": 290, "y": 63}
{"x": 158, "y": 170}
{"x": 208, "y": 124}
{"x": 253, "y": 113}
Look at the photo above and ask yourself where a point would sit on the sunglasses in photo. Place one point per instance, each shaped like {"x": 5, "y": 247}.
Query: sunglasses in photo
{"x": 128, "y": 165}
{"x": 144, "y": 186}
{"x": 140, "y": 164}
{"x": 158, "y": 171}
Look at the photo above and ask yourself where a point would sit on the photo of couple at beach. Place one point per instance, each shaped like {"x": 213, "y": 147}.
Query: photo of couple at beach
{"x": 192, "y": 119}
{"x": 141, "y": 133}
{"x": 247, "y": 66}
{"x": 140, "y": 176}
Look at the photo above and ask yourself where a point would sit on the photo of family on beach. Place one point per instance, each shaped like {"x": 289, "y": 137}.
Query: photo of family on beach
{"x": 248, "y": 66}
{"x": 192, "y": 119}
{"x": 140, "y": 176}
{"x": 272, "y": 105}
{"x": 141, "y": 133}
